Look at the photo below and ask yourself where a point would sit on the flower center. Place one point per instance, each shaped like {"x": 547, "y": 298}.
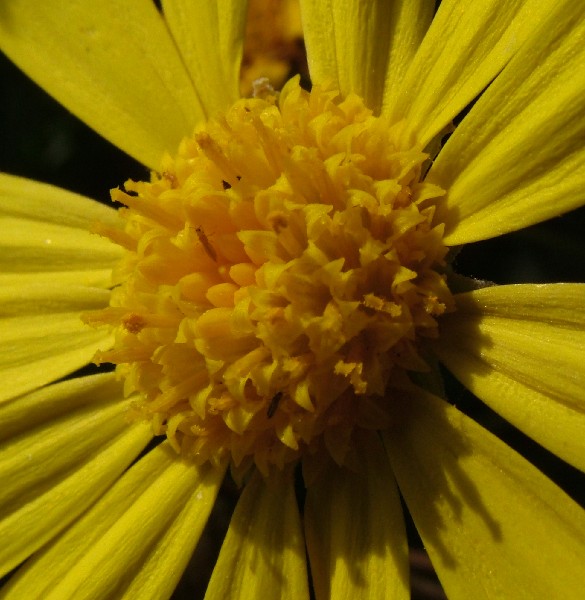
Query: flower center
{"x": 280, "y": 274}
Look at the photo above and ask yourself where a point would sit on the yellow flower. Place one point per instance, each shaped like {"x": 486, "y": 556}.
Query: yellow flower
{"x": 278, "y": 294}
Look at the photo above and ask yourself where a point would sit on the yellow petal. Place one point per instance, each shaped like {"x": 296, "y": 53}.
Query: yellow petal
{"x": 28, "y": 245}
{"x": 59, "y": 465}
{"x": 210, "y": 37}
{"x": 113, "y": 549}
{"x": 521, "y": 349}
{"x": 17, "y": 301}
{"x": 263, "y": 554}
{"x": 407, "y": 26}
{"x": 46, "y": 255}
{"x": 45, "y": 236}
{"x": 113, "y": 65}
{"x": 43, "y": 337}
{"x": 355, "y": 530}
{"x": 97, "y": 277}
{"x": 46, "y": 352}
{"x": 22, "y": 414}
{"x": 467, "y": 44}
{"x": 361, "y": 45}
{"x": 44, "y": 453}
{"x": 517, "y": 158}
{"x": 319, "y": 34}
{"x": 161, "y": 570}
{"x": 28, "y": 199}
{"x": 493, "y": 525}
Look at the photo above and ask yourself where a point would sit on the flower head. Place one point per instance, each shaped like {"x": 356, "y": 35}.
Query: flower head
{"x": 279, "y": 293}
{"x": 280, "y": 274}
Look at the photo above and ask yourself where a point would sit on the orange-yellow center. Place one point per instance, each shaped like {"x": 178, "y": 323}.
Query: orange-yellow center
{"x": 280, "y": 274}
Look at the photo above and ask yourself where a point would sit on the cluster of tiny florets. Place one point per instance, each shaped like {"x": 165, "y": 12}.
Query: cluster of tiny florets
{"x": 280, "y": 274}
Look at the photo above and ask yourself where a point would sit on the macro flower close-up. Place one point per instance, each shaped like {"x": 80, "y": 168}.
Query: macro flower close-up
{"x": 275, "y": 306}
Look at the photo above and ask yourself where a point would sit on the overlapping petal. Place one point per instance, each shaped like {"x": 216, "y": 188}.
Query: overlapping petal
{"x": 43, "y": 337}
{"x": 114, "y": 65}
{"x": 355, "y": 530}
{"x": 407, "y": 26}
{"x": 47, "y": 258}
{"x": 114, "y": 549}
{"x": 263, "y": 554}
{"x": 62, "y": 447}
{"x": 53, "y": 402}
{"x": 493, "y": 525}
{"x": 28, "y": 199}
{"x": 521, "y": 349}
{"x": 210, "y": 38}
{"x": 518, "y": 157}
{"x": 363, "y": 47}
{"x": 466, "y": 46}
{"x": 46, "y": 236}
{"x": 29, "y": 246}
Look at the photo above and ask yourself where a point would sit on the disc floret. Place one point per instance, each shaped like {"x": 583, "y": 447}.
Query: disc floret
{"x": 281, "y": 272}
